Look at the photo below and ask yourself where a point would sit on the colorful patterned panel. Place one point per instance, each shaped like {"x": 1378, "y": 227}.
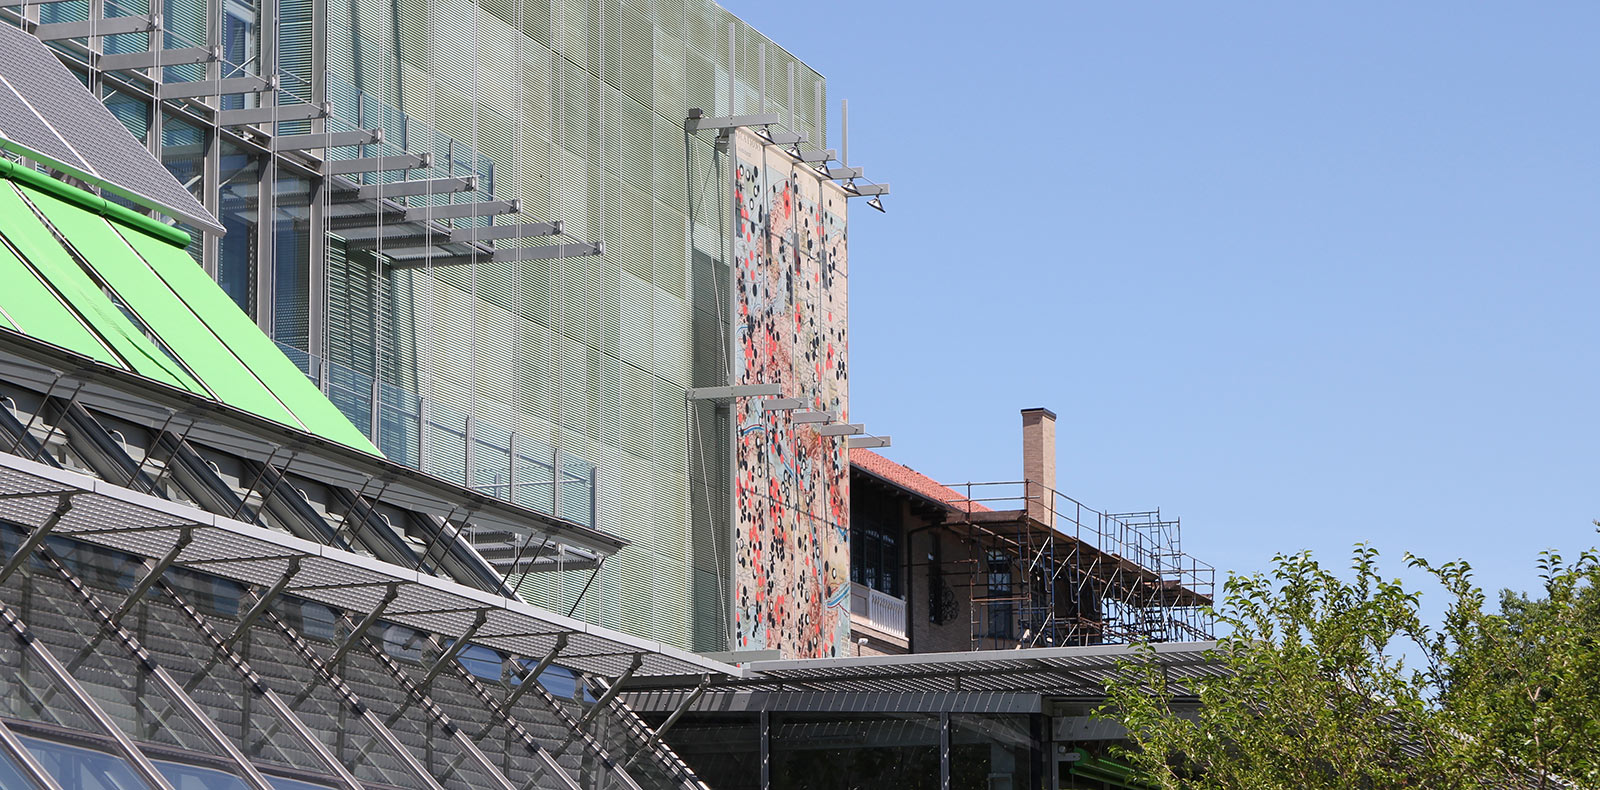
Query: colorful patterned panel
{"x": 792, "y": 556}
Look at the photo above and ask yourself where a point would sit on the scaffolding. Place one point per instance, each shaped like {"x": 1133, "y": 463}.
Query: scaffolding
{"x": 1046, "y": 570}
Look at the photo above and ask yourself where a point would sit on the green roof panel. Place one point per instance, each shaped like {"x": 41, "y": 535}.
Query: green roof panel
{"x": 55, "y": 266}
{"x": 158, "y": 308}
{"x": 179, "y": 272}
{"x": 27, "y": 305}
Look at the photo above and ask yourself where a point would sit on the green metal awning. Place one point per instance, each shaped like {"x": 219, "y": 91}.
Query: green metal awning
{"x": 113, "y": 291}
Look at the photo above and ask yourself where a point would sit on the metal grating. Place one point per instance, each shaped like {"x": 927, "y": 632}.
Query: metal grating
{"x": 47, "y": 112}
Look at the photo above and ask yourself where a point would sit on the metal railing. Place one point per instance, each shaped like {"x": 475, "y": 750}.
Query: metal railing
{"x": 453, "y": 445}
{"x": 879, "y": 610}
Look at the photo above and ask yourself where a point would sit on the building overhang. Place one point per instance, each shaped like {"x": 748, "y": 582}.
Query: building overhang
{"x": 32, "y": 496}
{"x": 39, "y": 366}
{"x": 1013, "y": 681}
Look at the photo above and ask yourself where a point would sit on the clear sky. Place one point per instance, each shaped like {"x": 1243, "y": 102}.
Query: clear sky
{"x": 1302, "y": 275}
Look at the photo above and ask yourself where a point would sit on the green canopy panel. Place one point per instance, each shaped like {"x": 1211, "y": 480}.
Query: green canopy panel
{"x": 55, "y": 266}
{"x": 178, "y": 272}
{"x": 147, "y": 308}
{"x": 28, "y": 306}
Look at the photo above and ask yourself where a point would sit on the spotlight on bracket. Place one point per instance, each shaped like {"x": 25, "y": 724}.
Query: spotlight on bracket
{"x": 877, "y": 204}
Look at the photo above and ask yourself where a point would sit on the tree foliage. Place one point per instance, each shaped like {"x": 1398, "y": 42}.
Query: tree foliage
{"x": 1336, "y": 681}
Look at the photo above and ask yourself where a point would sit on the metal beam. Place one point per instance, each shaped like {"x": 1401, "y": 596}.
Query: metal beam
{"x": 262, "y": 603}
{"x": 284, "y": 713}
{"x": 25, "y": 760}
{"x": 780, "y": 404}
{"x": 672, "y": 718}
{"x": 280, "y": 112}
{"x": 509, "y": 255}
{"x": 867, "y": 442}
{"x": 64, "y": 681}
{"x": 205, "y": 88}
{"x": 838, "y": 173}
{"x": 89, "y": 28}
{"x": 698, "y": 122}
{"x": 481, "y": 208}
{"x": 451, "y": 653}
{"x": 152, "y": 575}
{"x": 734, "y": 391}
{"x": 520, "y": 230}
{"x": 366, "y": 623}
{"x": 377, "y": 164}
{"x": 866, "y": 190}
{"x": 425, "y": 186}
{"x": 36, "y": 537}
{"x": 531, "y": 677}
{"x": 611, "y": 691}
{"x": 324, "y": 669}
{"x": 842, "y": 429}
{"x": 815, "y": 156}
{"x": 784, "y": 137}
{"x": 175, "y": 691}
{"x": 308, "y": 142}
{"x": 123, "y": 61}
{"x": 813, "y": 417}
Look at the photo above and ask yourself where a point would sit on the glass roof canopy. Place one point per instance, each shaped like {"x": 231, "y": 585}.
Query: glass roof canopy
{"x": 31, "y": 494}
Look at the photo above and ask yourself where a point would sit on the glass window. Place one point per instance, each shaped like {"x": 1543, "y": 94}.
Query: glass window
{"x": 193, "y": 777}
{"x": 847, "y": 752}
{"x": 990, "y": 752}
{"x": 11, "y": 775}
{"x": 238, "y": 199}
{"x": 81, "y": 768}
{"x": 291, "y": 270}
{"x": 875, "y": 534}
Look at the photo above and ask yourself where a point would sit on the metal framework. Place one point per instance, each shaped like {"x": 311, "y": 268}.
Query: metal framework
{"x": 1045, "y": 570}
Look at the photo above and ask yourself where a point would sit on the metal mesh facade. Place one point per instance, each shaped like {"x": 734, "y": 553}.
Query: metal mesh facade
{"x": 557, "y": 383}
{"x": 590, "y": 355}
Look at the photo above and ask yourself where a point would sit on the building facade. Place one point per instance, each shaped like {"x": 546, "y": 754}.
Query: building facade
{"x": 484, "y": 231}
{"x": 1009, "y": 565}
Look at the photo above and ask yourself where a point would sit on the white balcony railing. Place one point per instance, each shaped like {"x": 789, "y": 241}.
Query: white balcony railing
{"x": 878, "y": 610}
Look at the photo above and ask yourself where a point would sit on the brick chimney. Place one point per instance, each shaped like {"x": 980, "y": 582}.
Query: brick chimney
{"x": 1039, "y": 462}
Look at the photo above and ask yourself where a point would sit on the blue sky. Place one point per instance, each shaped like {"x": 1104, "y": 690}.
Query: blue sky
{"x": 1301, "y": 275}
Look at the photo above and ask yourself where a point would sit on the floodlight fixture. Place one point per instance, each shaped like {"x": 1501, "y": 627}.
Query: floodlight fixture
{"x": 877, "y": 203}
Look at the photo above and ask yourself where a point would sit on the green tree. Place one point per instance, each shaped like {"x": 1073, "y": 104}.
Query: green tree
{"x": 1524, "y": 682}
{"x": 1330, "y": 683}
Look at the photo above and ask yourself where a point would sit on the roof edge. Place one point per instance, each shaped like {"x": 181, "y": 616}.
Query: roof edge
{"x": 83, "y": 198}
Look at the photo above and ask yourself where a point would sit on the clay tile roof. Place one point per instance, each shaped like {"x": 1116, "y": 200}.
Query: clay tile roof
{"x": 911, "y": 480}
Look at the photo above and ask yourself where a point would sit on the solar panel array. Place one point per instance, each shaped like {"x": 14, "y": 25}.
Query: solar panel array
{"x": 45, "y": 112}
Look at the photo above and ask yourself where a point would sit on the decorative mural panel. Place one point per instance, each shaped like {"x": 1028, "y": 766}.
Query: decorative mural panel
{"x": 791, "y": 495}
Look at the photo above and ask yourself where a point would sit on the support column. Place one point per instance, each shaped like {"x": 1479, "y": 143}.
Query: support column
{"x": 766, "y": 750}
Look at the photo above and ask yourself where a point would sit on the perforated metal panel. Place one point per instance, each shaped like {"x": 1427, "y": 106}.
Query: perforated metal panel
{"x": 592, "y": 355}
{"x": 45, "y": 109}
